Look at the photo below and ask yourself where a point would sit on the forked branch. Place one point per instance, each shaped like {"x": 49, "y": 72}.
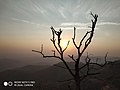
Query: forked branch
{"x": 46, "y": 56}
{"x": 58, "y": 34}
{"x": 88, "y": 64}
{"x": 88, "y": 33}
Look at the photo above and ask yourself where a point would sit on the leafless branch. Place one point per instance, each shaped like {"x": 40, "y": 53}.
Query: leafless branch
{"x": 105, "y": 58}
{"x": 53, "y": 52}
{"x": 45, "y": 56}
{"x": 42, "y": 48}
{"x": 88, "y": 74}
{"x": 101, "y": 65}
{"x": 74, "y": 38}
{"x": 82, "y": 66}
{"x": 88, "y": 41}
{"x": 88, "y": 64}
{"x": 87, "y": 60}
{"x": 59, "y": 48}
{"x": 71, "y": 56}
{"x": 53, "y": 39}
{"x": 83, "y": 38}
{"x": 66, "y": 46}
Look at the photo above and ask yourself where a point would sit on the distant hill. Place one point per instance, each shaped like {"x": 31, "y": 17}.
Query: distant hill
{"x": 32, "y": 68}
{"x": 12, "y": 63}
{"x": 51, "y": 76}
{"x": 6, "y": 63}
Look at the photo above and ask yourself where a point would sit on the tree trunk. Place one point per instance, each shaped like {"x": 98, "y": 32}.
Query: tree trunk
{"x": 77, "y": 84}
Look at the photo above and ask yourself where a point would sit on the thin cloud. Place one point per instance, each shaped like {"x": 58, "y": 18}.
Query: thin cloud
{"x": 71, "y": 25}
{"x": 75, "y": 24}
{"x": 25, "y": 21}
{"x": 108, "y": 23}
{"x": 84, "y": 26}
{"x": 61, "y": 11}
{"x": 69, "y": 28}
{"x": 28, "y": 22}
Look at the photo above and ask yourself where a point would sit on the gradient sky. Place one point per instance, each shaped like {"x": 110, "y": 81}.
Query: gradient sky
{"x": 25, "y": 24}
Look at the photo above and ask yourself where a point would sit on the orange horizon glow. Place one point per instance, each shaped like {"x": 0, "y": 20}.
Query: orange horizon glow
{"x": 25, "y": 25}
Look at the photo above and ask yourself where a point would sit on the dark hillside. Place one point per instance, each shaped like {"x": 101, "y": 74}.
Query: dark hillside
{"x": 50, "y": 76}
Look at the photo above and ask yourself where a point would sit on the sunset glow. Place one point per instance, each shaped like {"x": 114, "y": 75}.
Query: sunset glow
{"x": 64, "y": 43}
{"x": 25, "y": 25}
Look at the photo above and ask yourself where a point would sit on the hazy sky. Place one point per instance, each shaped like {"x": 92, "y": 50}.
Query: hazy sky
{"x": 25, "y": 24}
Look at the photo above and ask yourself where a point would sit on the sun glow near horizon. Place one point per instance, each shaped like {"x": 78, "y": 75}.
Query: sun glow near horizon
{"x": 64, "y": 43}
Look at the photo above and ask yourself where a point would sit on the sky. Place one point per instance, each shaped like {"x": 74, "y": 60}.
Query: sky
{"x": 25, "y": 25}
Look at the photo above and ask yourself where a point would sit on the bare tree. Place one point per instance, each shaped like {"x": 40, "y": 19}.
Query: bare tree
{"x": 76, "y": 73}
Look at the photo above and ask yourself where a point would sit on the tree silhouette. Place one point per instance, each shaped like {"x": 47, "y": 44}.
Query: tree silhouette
{"x": 76, "y": 73}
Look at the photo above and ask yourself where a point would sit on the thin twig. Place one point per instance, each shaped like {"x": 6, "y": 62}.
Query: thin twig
{"x": 72, "y": 58}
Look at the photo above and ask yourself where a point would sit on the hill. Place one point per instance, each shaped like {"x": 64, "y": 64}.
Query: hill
{"x": 52, "y": 77}
{"x": 6, "y": 63}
